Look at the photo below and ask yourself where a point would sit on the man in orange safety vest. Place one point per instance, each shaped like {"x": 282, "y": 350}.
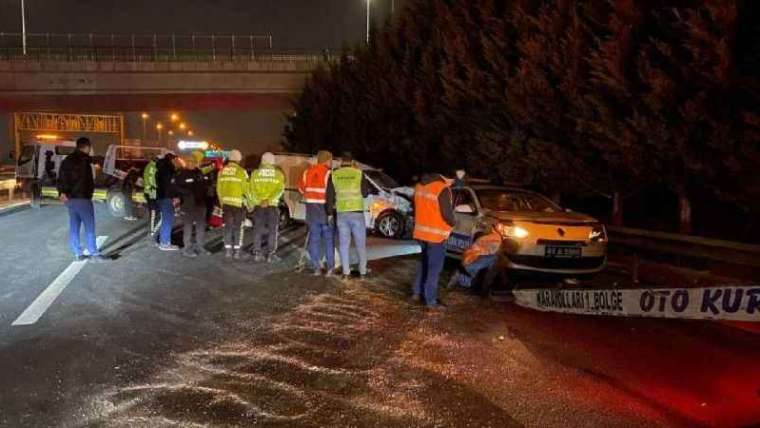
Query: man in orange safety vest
{"x": 313, "y": 187}
{"x": 433, "y": 223}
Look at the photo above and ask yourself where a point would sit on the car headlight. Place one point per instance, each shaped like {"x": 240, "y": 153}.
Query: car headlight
{"x": 598, "y": 233}
{"x": 511, "y": 231}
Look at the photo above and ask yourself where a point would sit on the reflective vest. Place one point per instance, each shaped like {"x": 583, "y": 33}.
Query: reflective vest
{"x": 267, "y": 184}
{"x": 232, "y": 185}
{"x": 429, "y": 225}
{"x": 149, "y": 179}
{"x": 347, "y": 182}
{"x": 486, "y": 245}
{"x": 313, "y": 184}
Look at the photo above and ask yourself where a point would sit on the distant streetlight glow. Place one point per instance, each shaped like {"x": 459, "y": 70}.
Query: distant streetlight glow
{"x": 182, "y": 126}
{"x": 159, "y": 127}
{"x": 190, "y": 133}
{"x": 144, "y": 117}
{"x": 174, "y": 117}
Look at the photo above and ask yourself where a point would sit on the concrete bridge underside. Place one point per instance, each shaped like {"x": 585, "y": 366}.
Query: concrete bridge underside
{"x": 104, "y": 86}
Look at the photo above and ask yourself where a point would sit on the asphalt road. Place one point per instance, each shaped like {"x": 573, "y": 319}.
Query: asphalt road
{"x": 154, "y": 339}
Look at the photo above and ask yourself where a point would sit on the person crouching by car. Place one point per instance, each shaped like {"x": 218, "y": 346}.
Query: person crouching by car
{"x": 193, "y": 186}
{"x": 480, "y": 256}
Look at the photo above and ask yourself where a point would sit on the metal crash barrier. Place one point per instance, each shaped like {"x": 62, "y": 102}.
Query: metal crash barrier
{"x": 686, "y": 250}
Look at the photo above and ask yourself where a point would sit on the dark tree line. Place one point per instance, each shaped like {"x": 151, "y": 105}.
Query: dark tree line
{"x": 569, "y": 97}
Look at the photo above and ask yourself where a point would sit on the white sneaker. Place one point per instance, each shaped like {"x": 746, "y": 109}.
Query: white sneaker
{"x": 168, "y": 247}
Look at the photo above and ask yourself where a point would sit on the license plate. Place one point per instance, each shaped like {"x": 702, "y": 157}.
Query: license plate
{"x": 563, "y": 252}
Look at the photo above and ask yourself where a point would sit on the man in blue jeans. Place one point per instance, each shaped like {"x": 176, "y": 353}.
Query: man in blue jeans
{"x": 75, "y": 187}
{"x": 346, "y": 191}
{"x": 433, "y": 222}
{"x": 165, "y": 195}
{"x": 313, "y": 187}
{"x": 480, "y": 256}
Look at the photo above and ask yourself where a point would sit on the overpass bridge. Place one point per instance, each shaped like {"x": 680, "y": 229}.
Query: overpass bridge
{"x": 96, "y": 72}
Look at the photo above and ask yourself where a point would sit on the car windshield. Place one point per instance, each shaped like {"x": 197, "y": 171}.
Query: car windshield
{"x": 515, "y": 200}
{"x": 381, "y": 179}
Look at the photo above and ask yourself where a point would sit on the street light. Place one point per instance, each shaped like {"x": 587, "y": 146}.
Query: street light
{"x": 144, "y": 117}
{"x": 159, "y": 127}
{"x": 23, "y": 27}
{"x": 182, "y": 126}
{"x": 190, "y": 133}
{"x": 174, "y": 117}
{"x": 368, "y": 3}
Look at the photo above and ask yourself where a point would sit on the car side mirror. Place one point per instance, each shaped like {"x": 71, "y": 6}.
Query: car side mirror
{"x": 464, "y": 209}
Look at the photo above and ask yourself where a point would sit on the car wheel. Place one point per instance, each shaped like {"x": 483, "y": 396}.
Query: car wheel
{"x": 117, "y": 204}
{"x": 36, "y": 190}
{"x": 284, "y": 218}
{"x": 390, "y": 225}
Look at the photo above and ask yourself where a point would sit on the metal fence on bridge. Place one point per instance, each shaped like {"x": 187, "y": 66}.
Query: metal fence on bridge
{"x": 141, "y": 48}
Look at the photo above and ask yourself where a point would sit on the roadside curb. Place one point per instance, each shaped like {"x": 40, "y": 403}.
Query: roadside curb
{"x": 14, "y": 207}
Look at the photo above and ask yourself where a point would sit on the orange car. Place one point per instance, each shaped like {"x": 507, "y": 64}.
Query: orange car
{"x": 538, "y": 235}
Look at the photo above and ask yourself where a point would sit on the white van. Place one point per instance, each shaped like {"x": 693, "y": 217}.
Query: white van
{"x": 38, "y": 165}
{"x": 388, "y": 207}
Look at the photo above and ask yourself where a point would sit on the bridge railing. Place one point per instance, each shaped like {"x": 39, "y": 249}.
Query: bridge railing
{"x": 147, "y": 48}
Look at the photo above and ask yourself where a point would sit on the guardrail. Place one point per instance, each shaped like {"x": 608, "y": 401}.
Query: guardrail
{"x": 646, "y": 242}
{"x": 148, "y": 48}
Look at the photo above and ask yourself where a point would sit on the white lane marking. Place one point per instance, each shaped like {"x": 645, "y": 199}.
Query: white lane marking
{"x": 41, "y": 304}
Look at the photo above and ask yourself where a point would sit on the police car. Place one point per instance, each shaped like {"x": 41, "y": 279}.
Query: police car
{"x": 538, "y": 235}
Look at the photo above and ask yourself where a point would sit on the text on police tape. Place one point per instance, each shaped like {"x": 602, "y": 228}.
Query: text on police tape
{"x": 738, "y": 303}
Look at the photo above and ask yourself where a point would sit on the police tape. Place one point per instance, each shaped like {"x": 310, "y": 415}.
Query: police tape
{"x": 736, "y": 303}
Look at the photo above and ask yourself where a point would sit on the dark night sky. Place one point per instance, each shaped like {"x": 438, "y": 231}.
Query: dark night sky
{"x": 294, "y": 24}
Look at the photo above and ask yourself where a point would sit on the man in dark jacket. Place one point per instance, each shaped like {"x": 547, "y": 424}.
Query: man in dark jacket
{"x": 75, "y": 186}
{"x": 193, "y": 186}
{"x": 165, "y": 194}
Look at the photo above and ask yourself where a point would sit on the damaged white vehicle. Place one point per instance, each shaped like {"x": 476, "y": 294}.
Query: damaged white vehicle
{"x": 388, "y": 208}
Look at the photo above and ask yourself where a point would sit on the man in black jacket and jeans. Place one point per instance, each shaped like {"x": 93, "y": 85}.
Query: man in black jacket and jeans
{"x": 193, "y": 186}
{"x": 165, "y": 195}
{"x": 75, "y": 186}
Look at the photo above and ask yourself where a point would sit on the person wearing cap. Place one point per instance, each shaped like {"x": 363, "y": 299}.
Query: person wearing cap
{"x": 459, "y": 181}
{"x": 165, "y": 197}
{"x": 232, "y": 191}
{"x": 313, "y": 187}
{"x": 192, "y": 185}
{"x": 345, "y": 195}
{"x": 266, "y": 189}
{"x": 76, "y": 184}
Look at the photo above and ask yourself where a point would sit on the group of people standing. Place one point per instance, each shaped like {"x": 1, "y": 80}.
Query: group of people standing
{"x": 169, "y": 180}
{"x": 334, "y": 200}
